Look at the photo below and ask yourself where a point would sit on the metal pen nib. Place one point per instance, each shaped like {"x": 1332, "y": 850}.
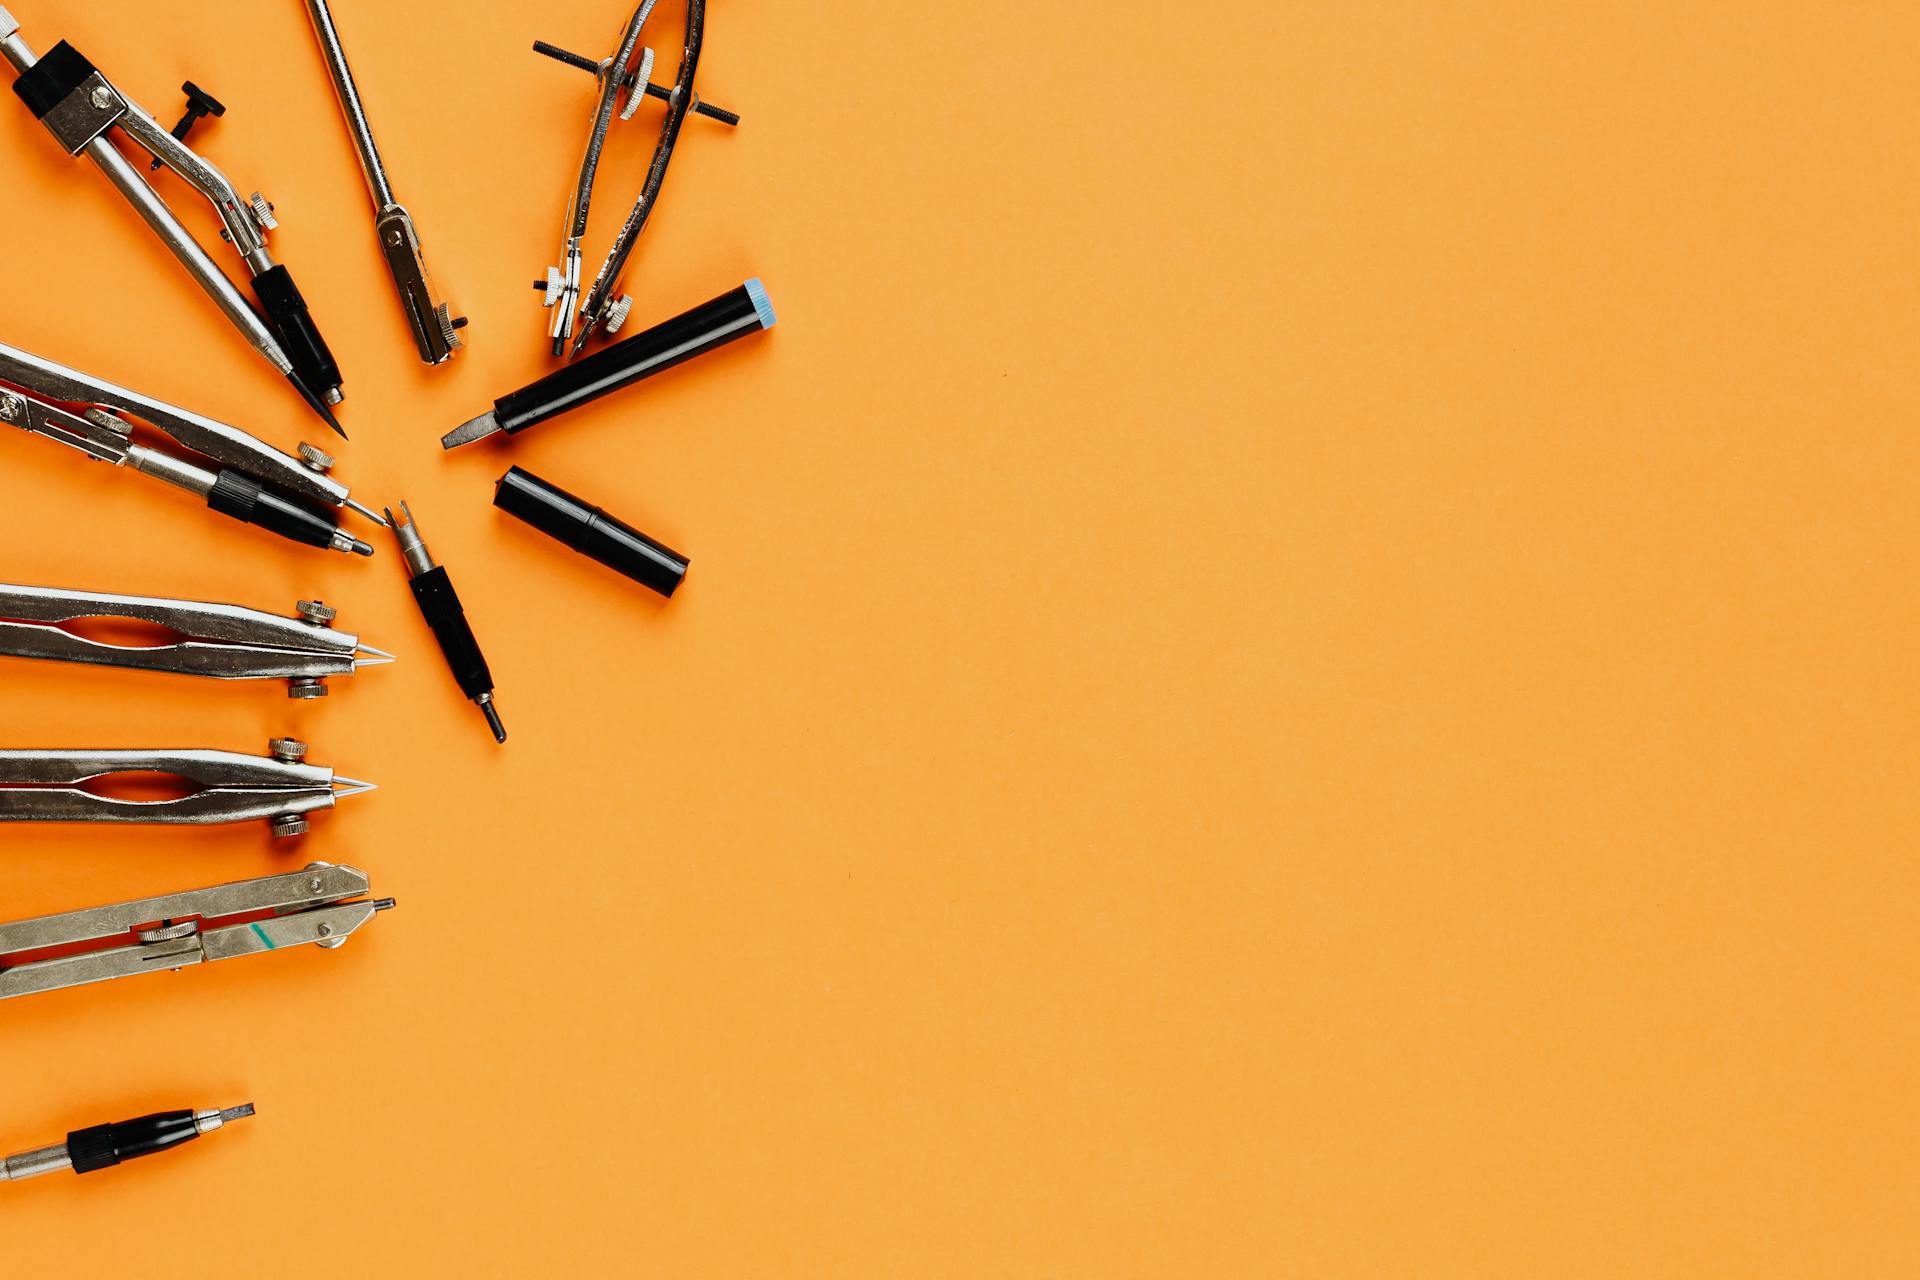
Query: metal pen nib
{"x": 477, "y": 429}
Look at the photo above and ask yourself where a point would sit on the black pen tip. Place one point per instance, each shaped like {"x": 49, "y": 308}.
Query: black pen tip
{"x": 318, "y": 405}
{"x": 493, "y": 719}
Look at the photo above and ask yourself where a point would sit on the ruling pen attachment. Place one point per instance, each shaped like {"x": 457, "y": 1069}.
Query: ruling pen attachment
{"x": 210, "y": 787}
{"x": 370, "y": 514}
{"x": 440, "y": 606}
{"x": 106, "y": 1145}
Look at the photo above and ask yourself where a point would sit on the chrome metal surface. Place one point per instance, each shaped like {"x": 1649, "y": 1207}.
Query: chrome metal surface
{"x": 154, "y": 211}
{"x": 42, "y": 381}
{"x": 319, "y": 904}
{"x": 220, "y": 641}
{"x": 53, "y": 786}
{"x": 435, "y": 331}
{"x": 350, "y": 105}
{"x": 31, "y": 1164}
{"x": 237, "y": 214}
{"x": 413, "y": 547}
{"x": 90, "y": 110}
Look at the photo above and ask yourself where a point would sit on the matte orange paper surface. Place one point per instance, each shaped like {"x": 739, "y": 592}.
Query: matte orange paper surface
{"x": 1297, "y": 663}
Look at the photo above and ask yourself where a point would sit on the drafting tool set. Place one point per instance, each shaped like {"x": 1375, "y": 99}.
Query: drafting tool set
{"x": 238, "y": 475}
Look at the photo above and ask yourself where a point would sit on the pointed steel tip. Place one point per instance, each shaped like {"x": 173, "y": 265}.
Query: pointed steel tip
{"x": 344, "y": 787}
{"x": 240, "y": 1112}
{"x": 371, "y": 514}
{"x": 467, "y": 432}
{"x": 374, "y": 657}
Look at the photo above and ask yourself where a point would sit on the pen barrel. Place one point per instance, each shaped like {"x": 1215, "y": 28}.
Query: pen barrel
{"x": 245, "y": 499}
{"x": 106, "y": 1145}
{"x": 440, "y": 606}
{"x": 300, "y": 338}
{"x": 590, "y": 531}
{"x": 727, "y": 318}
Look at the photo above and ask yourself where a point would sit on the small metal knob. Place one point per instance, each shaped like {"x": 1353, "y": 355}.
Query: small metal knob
{"x": 636, "y": 84}
{"x": 317, "y": 613}
{"x": 316, "y": 459}
{"x": 263, "y": 212}
{"x": 617, "y": 312}
{"x": 287, "y": 750}
{"x": 199, "y": 103}
{"x": 307, "y": 688}
{"x": 288, "y": 825}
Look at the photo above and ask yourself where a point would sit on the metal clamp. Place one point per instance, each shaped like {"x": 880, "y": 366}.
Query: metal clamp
{"x": 323, "y": 905}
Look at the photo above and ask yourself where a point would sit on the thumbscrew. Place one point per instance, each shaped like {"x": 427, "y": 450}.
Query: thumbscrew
{"x": 199, "y": 103}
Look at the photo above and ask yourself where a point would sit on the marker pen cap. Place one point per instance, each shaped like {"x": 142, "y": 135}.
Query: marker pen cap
{"x": 590, "y": 531}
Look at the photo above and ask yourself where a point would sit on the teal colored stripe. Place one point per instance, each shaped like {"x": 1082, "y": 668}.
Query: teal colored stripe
{"x": 261, "y": 934}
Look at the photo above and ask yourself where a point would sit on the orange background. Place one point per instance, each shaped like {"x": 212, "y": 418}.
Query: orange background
{"x": 1297, "y": 657}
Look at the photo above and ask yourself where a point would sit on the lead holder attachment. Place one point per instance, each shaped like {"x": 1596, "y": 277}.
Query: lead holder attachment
{"x": 590, "y": 531}
{"x": 731, "y": 316}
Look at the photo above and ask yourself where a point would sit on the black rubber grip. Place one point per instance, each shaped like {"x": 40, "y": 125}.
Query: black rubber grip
{"x": 46, "y": 84}
{"x": 239, "y": 495}
{"x": 712, "y": 324}
{"x": 105, "y": 1145}
{"x": 440, "y": 605}
{"x": 293, "y": 325}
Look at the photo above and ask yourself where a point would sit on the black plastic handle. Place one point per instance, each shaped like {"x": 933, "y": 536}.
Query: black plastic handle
{"x": 105, "y": 1145}
{"x": 440, "y": 605}
{"x": 245, "y": 499}
{"x": 729, "y": 317}
{"x": 293, "y": 324}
